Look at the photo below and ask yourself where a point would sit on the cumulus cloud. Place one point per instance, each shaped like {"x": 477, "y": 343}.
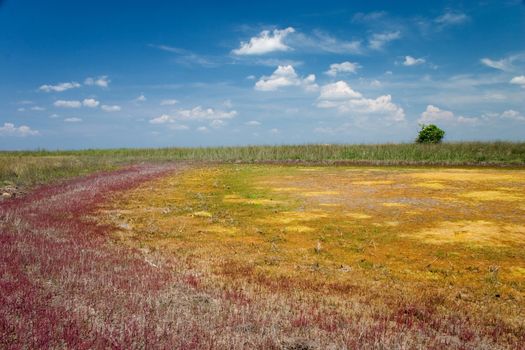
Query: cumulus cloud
{"x": 339, "y": 91}
{"x": 285, "y": 76}
{"x": 59, "y": 87}
{"x": 90, "y": 102}
{"x": 101, "y": 81}
{"x": 505, "y": 64}
{"x": 346, "y": 100}
{"x": 343, "y": 67}
{"x": 378, "y": 40}
{"x": 73, "y": 120}
{"x": 9, "y": 129}
{"x": 108, "y": 108}
{"x": 253, "y": 123}
{"x": 202, "y": 129}
{"x": 451, "y": 18}
{"x": 512, "y": 114}
{"x": 67, "y": 104}
{"x": 267, "y": 41}
{"x": 519, "y": 80}
{"x": 196, "y": 113}
{"x": 434, "y": 114}
{"x": 412, "y": 61}
{"x": 169, "y": 102}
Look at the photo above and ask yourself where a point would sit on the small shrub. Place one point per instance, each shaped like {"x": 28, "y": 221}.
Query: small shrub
{"x": 430, "y": 134}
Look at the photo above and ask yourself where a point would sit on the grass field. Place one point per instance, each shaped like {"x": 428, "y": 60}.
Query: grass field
{"x": 243, "y": 248}
{"x": 34, "y": 167}
{"x": 434, "y": 253}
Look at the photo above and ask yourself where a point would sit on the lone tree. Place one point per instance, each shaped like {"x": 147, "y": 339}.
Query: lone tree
{"x": 430, "y": 134}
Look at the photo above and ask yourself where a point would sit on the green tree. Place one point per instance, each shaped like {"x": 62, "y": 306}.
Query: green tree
{"x": 430, "y": 134}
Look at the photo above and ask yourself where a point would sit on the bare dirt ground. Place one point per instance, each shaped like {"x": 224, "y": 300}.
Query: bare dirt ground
{"x": 243, "y": 257}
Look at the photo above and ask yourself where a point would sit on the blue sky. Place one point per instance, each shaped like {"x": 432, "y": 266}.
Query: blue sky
{"x": 97, "y": 74}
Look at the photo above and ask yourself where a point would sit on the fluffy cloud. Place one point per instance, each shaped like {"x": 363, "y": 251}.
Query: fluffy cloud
{"x": 341, "y": 96}
{"x": 253, "y": 123}
{"x": 512, "y": 114}
{"x": 90, "y": 102}
{"x": 73, "y": 120}
{"x": 101, "y": 81}
{"x": 67, "y": 104}
{"x": 519, "y": 80}
{"x": 267, "y": 41}
{"x": 168, "y": 102}
{"x": 285, "y": 76}
{"x": 451, "y": 18}
{"x": 197, "y": 113}
{"x": 412, "y": 61}
{"x": 9, "y": 129}
{"x": 434, "y": 114}
{"x": 59, "y": 87}
{"x": 343, "y": 67}
{"x": 378, "y": 40}
{"x": 108, "y": 108}
{"x": 339, "y": 91}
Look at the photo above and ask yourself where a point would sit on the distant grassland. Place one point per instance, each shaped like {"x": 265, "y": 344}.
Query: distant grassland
{"x": 29, "y": 168}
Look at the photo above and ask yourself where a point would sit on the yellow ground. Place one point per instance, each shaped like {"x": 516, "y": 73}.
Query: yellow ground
{"x": 455, "y": 237}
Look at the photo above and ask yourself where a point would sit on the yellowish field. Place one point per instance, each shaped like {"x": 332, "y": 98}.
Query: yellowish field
{"x": 447, "y": 240}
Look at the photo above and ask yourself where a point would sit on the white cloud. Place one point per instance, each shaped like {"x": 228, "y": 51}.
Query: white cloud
{"x": 67, "y": 104}
{"x": 141, "y": 98}
{"x": 90, "y": 102}
{"x": 54, "y": 116}
{"x": 275, "y": 131}
{"x": 378, "y": 40}
{"x": 343, "y": 67}
{"x": 101, "y": 81}
{"x": 196, "y": 113}
{"x": 217, "y": 123}
{"x": 412, "y": 61}
{"x": 451, "y": 18}
{"x": 321, "y": 41}
{"x": 168, "y": 102}
{"x": 253, "y": 123}
{"x": 265, "y": 42}
{"x": 502, "y": 64}
{"x": 9, "y": 129}
{"x": 202, "y": 129}
{"x": 73, "y": 120}
{"x": 512, "y": 114}
{"x": 519, "y": 80}
{"x": 108, "y": 108}
{"x": 59, "y": 87}
{"x": 285, "y": 76}
{"x": 179, "y": 127}
{"x": 434, "y": 114}
{"x": 37, "y": 108}
{"x": 346, "y": 100}
{"x": 161, "y": 119}
{"x": 336, "y": 92}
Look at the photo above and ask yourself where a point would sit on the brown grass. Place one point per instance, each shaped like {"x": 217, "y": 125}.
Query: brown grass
{"x": 346, "y": 257}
